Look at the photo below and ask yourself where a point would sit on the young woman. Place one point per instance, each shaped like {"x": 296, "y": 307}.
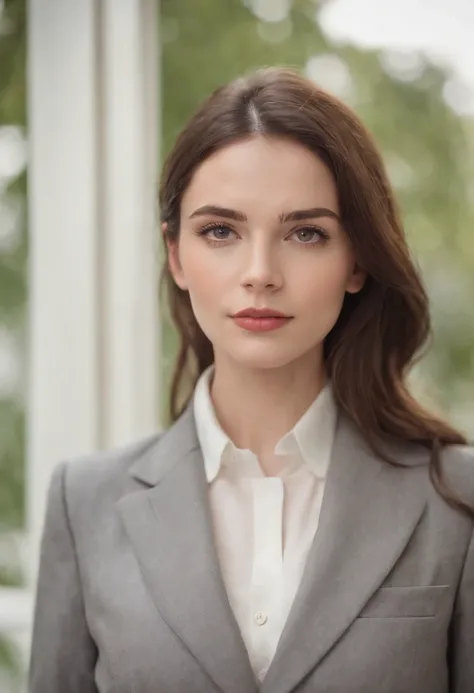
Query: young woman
{"x": 304, "y": 525}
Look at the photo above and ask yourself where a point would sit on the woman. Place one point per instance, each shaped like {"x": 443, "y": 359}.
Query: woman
{"x": 304, "y": 525}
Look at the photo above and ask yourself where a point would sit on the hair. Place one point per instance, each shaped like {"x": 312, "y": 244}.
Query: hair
{"x": 382, "y": 329}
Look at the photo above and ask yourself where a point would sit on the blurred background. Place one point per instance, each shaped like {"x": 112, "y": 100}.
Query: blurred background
{"x": 92, "y": 95}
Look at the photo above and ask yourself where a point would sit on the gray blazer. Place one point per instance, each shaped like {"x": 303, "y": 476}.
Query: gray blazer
{"x": 131, "y": 599}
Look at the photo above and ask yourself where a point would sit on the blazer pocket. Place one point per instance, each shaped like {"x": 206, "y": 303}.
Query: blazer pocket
{"x": 406, "y": 602}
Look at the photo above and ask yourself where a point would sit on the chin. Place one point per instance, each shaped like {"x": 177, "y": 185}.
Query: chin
{"x": 264, "y": 358}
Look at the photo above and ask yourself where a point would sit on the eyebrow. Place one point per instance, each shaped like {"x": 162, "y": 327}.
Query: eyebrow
{"x": 296, "y": 215}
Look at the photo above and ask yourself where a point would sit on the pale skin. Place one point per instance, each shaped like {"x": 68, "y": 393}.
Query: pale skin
{"x": 260, "y": 258}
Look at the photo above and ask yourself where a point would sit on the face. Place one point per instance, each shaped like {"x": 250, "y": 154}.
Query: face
{"x": 260, "y": 229}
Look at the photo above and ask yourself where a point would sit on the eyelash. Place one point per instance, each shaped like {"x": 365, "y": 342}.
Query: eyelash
{"x": 323, "y": 235}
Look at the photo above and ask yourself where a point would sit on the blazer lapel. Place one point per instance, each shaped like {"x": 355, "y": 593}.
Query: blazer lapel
{"x": 370, "y": 510}
{"x": 170, "y": 529}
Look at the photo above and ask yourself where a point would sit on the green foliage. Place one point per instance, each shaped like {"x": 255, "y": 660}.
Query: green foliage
{"x": 13, "y": 292}
{"x": 12, "y": 62}
{"x": 10, "y": 667}
{"x": 13, "y": 265}
{"x": 12, "y": 448}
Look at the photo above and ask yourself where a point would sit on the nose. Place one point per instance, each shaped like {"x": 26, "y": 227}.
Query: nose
{"x": 262, "y": 269}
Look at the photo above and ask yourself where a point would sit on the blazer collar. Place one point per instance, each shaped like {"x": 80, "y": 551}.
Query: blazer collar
{"x": 370, "y": 510}
{"x": 169, "y": 526}
{"x": 172, "y": 446}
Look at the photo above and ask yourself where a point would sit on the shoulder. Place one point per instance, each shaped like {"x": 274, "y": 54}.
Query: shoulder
{"x": 103, "y": 474}
{"x": 107, "y": 476}
{"x": 457, "y": 461}
{"x": 458, "y": 468}
{"x": 460, "y": 457}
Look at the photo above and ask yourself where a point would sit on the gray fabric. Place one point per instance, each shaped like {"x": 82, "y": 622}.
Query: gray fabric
{"x": 131, "y": 599}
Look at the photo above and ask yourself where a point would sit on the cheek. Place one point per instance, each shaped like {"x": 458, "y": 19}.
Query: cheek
{"x": 193, "y": 264}
{"x": 206, "y": 272}
{"x": 200, "y": 281}
{"x": 203, "y": 282}
{"x": 325, "y": 282}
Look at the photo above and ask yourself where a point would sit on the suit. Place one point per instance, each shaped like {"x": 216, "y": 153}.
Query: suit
{"x": 130, "y": 596}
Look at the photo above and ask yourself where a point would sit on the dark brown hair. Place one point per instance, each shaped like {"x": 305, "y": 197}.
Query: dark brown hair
{"x": 381, "y": 329}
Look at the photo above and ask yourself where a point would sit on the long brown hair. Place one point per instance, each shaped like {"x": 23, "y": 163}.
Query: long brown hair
{"x": 381, "y": 330}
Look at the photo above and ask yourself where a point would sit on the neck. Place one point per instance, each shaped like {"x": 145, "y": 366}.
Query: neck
{"x": 257, "y": 407}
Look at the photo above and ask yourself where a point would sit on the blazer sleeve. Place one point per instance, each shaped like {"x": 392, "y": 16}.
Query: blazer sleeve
{"x": 462, "y": 630}
{"x": 63, "y": 654}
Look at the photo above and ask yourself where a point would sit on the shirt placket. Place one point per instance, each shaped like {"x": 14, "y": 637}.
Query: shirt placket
{"x": 266, "y": 583}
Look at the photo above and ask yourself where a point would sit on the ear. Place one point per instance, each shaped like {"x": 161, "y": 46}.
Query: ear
{"x": 356, "y": 280}
{"x": 174, "y": 263}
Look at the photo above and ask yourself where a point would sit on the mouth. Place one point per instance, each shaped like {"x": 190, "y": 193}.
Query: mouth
{"x": 260, "y": 319}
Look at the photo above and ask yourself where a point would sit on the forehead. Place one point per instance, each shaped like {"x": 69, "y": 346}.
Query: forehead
{"x": 274, "y": 174}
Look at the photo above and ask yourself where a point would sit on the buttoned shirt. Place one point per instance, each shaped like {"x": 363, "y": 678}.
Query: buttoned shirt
{"x": 264, "y": 525}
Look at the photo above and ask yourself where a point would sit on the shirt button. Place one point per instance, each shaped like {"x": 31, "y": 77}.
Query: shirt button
{"x": 260, "y": 618}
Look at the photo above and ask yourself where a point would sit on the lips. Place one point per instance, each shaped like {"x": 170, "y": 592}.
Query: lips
{"x": 260, "y": 319}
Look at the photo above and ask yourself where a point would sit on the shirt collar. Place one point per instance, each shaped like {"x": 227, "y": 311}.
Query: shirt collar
{"x": 312, "y": 436}
{"x": 212, "y": 439}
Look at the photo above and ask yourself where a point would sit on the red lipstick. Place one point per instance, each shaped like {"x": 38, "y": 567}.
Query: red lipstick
{"x": 260, "y": 319}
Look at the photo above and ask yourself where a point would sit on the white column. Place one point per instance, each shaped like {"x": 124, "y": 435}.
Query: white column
{"x": 128, "y": 260}
{"x": 93, "y": 339}
{"x": 63, "y": 198}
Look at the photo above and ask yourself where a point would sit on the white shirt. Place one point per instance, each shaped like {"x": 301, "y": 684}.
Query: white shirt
{"x": 264, "y": 526}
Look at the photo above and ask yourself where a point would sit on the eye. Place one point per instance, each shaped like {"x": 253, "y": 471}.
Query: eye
{"x": 310, "y": 235}
{"x": 217, "y": 232}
